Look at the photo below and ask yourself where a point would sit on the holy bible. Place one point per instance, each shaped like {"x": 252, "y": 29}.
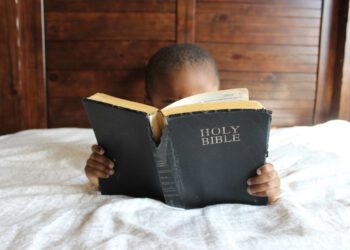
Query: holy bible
{"x": 196, "y": 152}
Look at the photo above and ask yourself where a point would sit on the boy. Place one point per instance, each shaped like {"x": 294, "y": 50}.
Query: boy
{"x": 175, "y": 72}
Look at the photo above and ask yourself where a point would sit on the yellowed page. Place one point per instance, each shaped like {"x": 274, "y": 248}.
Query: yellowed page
{"x": 212, "y": 106}
{"x": 228, "y": 95}
{"x": 123, "y": 103}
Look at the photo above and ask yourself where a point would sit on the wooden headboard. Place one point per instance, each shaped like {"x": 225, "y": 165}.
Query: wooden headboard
{"x": 281, "y": 50}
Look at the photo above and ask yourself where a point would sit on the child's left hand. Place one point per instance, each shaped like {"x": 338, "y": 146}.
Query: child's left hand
{"x": 266, "y": 183}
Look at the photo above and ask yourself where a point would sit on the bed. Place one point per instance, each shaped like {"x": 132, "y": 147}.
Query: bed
{"x": 47, "y": 202}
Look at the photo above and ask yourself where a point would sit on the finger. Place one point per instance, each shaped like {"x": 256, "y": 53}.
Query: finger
{"x": 93, "y": 172}
{"x": 263, "y": 178}
{"x": 267, "y": 167}
{"x": 98, "y": 149}
{"x": 275, "y": 183}
{"x": 102, "y": 159}
{"x": 98, "y": 166}
{"x": 272, "y": 194}
{"x": 268, "y": 193}
{"x": 273, "y": 198}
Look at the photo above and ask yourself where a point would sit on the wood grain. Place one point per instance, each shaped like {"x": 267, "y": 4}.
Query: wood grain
{"x": 84, "y": 83}
{"x": 185, "y": 21}
{"x": 264, "y": 58}
{"x": 344, "y": 109}
{"x": 255, "y": 9}
{"x": 104, "y": 55}
{"x": 230, "y": 28}
{"x": 32, "y": 73}
{"x": 309, "y": 4}
{"x": 110, "y": 6}
{"x": 110, "y": 26}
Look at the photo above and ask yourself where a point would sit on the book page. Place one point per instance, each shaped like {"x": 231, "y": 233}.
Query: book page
{"x": 212, "y": 106}
{"x": 108, "y": 99}
{"x": 229, "y": 95}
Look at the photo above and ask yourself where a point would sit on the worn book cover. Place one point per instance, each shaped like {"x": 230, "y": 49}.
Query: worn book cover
{"x": 196, "y": 152}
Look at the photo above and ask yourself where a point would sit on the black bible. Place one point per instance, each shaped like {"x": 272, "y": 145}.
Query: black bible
{"x": 196, "y": 152}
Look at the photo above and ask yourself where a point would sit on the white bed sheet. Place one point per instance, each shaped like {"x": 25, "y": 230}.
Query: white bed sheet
{"x": 47, "y": 202}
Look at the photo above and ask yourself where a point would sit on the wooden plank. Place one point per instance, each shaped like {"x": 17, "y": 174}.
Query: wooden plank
{"x": 257, "y": 39}
{"x": 225, "y": 27}
{"x": 85, "y": 83}
{"x": 327, "y": 61}
{"x": 257, "y": 10}
{"x": 10, "y": 108}
{"x": 252, "y": 29}
{"x": 96, "y": 55}
{"x": 344, "y": 109}
{"x": 110, "y": 6}
{"x": 105, "y": 26}
{"x": 269, "y": 77}
{"x": 228, "y": 18}
{"x": 285, "y": 94}
{"x": 185, "y": 21}
{"x": 258, "y": 58}
{"x": 275, "y": 91}
{"x": 313, "y": 4}
{"x": 69, "y": 111}
{"x": 32, "y": 61}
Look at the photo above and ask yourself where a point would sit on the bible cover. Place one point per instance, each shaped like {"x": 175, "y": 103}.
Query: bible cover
{"x": 203, "y": 158}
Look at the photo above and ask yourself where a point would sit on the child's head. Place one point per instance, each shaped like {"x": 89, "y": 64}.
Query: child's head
{"x": 178, "y": 71}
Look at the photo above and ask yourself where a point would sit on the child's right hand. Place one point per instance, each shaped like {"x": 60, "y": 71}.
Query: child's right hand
{"x": 98, "y": 165}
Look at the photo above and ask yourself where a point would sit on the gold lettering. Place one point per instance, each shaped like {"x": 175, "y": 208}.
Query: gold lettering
{"x": 205, "y": 141}
{"x": 217, "y": 135}
{"x": 218, "y": 139}
{"x": 227, "y": 140}
{"x": 215, "y": 129}
{"x": 235, "y": 137}
{"x": 234, "y": 129}
{"x": 205, "y": 132}
{"x": 224, "y": 132}
{"x": 211, "y": 140}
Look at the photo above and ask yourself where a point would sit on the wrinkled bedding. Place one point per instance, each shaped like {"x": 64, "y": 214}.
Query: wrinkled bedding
{"x": 46, "y": 202}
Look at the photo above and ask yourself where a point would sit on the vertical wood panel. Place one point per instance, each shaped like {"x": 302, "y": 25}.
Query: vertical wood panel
{"x": 10, "y": 110}
{"x": 328, "y": 38}
{"x": 185, "y": 21}
{"x": 330, "y": 60}
{"x": 31, "y": 61}
{"x": 344, "y": 110}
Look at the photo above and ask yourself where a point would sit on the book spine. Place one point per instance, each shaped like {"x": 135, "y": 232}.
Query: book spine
{"x": 169, "y": 178}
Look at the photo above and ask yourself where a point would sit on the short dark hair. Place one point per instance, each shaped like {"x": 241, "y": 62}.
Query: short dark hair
{"x": 173, "y": 57}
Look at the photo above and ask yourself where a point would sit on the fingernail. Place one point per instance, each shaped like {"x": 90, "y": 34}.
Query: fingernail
{"x": 111, "y": 172}
{"x": 111, "y": 165}
{"x": 258, "y": 171}
{"x": 249, "y": 182}
{"x": 248, "y": 190}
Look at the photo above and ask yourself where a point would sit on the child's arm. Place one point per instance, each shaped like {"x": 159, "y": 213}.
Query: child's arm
{"x": 98, "y": 165}
{"x": 266, "y": 183}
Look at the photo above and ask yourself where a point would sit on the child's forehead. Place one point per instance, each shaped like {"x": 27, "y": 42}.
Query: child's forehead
{"x": 187, "y": 79}
{"x": 191, "y": 70}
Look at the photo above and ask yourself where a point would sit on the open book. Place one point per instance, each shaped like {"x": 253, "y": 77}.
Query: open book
{"x": 218, "y": 100}
{"x": 195, "y": 152}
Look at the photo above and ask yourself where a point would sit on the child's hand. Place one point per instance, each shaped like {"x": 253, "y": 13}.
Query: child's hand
{"x": 266, "y": 183}
{"x": 98, "y": 165}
